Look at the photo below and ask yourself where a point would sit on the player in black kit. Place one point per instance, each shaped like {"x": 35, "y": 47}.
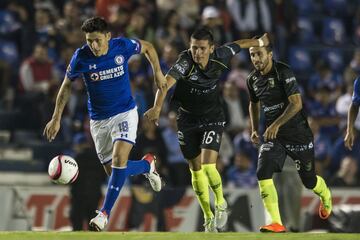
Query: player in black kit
{"x": 200, "y": 116}
{"x": 273, "y": 87}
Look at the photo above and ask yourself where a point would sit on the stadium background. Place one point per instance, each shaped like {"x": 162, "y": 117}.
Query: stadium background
{"x": 318, "y": 39}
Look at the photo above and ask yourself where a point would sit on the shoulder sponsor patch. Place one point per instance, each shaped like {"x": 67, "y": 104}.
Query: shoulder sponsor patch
{"x": 289, "y": 80}
{"x": 182, "y": 66}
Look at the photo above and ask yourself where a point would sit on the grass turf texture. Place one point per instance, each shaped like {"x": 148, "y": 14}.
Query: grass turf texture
{"x": 171, "y": 236}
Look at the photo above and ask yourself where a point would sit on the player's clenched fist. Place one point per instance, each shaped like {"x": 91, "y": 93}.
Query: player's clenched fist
{"x": 51, "y": 129}
{"x": 160, "y": 81}
{"x": 255, "y": 138}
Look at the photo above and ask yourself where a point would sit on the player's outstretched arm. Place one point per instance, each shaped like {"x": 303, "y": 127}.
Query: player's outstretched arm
{"x": 153, "y": 113}
{"x": 148, "y": 49}
{"x": 53, "y": 126}
{"x": 349, "y": 137}
{"x": 263, "y": 41}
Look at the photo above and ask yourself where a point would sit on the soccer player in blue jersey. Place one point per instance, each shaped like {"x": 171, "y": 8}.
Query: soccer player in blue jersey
{"x": 103, "y": 65}
{"x": 352, "y": 114}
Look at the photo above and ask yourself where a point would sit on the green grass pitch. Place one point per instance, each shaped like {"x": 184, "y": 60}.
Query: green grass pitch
{"x": 171, "y": 236}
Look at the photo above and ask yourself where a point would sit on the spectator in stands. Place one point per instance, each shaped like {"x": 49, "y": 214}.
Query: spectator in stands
{"x": 6, "y": 90}
{"x": 235, "y": 109}
{"x": 118, "y": 21}
{"x": 171, "y": 31}
{"x": 242, "y": 173}
{"x": 38, "y": 83}
{"x": 340, "y": 151}
{"x": 145, "y": 200}
{"x": 250, "y": 17}
{"x": 138, "y": 27}
{"x": 84, "y": 194}
{"x": 226, "y": 154}
{"x": 242, "y": 142}
{"x": 289, "y": 187}
{"x": 37, "y": 72}
{"x": 322, "y": 145}
{"x": 179, "y": 174}
{"x": 323, "y": 111}
{"x": 139, "y": 83}
{"x": 347, "y": 175}
{"x": 68, "y": 26}
{"x": 211, "y": 18}
{"x": 324, "y": 77}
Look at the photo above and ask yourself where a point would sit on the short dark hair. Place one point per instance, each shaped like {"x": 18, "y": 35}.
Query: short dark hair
{"x": 95, "y": 24}
{"x": 268, "y": 48}
{"x": 203, "y": 33}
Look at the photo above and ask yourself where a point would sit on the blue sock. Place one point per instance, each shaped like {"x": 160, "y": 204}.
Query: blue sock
{"x": 137, "y": 167}
{"x": 115, "y": 184}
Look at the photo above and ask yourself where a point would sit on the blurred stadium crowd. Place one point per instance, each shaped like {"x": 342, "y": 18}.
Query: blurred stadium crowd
{"x": 317, "y": 38}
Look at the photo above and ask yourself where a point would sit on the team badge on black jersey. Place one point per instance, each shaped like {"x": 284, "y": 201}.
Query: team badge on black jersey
{"x": 271, "y": 82}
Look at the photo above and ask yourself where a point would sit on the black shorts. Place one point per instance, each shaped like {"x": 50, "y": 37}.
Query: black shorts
{"x": 199, "y": 132}
{"x": 299, "y": 146}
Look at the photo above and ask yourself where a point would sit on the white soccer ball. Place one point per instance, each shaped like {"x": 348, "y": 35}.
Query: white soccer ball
{"x": 63, "y": 169}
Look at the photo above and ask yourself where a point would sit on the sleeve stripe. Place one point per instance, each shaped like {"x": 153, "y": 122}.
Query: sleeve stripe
{"x": 232, "y": 50}
{"x": 219, "y": 63}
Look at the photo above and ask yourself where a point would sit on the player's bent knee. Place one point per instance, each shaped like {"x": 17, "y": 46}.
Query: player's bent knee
{"x": 308, "y": 179}
{"x": 263, "y": 173}
{"x": 118, "y": 162}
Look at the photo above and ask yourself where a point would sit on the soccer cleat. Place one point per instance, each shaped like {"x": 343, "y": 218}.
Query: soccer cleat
{"x": 210, "y": 225}
{"x": 152, "y": 175}
{"x": 221, "y": 215}
{"x": 325, "y": 206}
{"x": 273, "y": 228}
{"x": 99, "y": 222}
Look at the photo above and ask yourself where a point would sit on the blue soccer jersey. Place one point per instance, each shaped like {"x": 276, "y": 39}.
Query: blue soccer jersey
{"x": 356, "y": 94}
{"x": 106, "y": 77}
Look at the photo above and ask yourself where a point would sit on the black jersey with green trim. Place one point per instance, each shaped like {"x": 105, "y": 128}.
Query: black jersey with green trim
{"x": 273, "y": 90}
{"x": 197, "y": 90}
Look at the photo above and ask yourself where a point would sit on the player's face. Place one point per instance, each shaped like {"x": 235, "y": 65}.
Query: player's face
{"x": 98, "y": 42}
{"x": 200, "y": 51}
{"x": 260, "y": 57}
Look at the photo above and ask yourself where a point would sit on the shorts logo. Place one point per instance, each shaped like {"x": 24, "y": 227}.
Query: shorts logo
{"x": 94, "y": 76}
{"x": 308, "y": 166}
{"x": 119, "y": 59}
{"x": 271, "y": 82}
{"x": 92, "y": 66}
{"x": 266, "y": 147}
{"x": 100, "y": 156}
{"x": 297, "y": 165}
{"x": 194, "y": 77}
{"x": 181, "y": 138}
{"x": 123, "y": 135}
{"x": 255, "y": 87}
